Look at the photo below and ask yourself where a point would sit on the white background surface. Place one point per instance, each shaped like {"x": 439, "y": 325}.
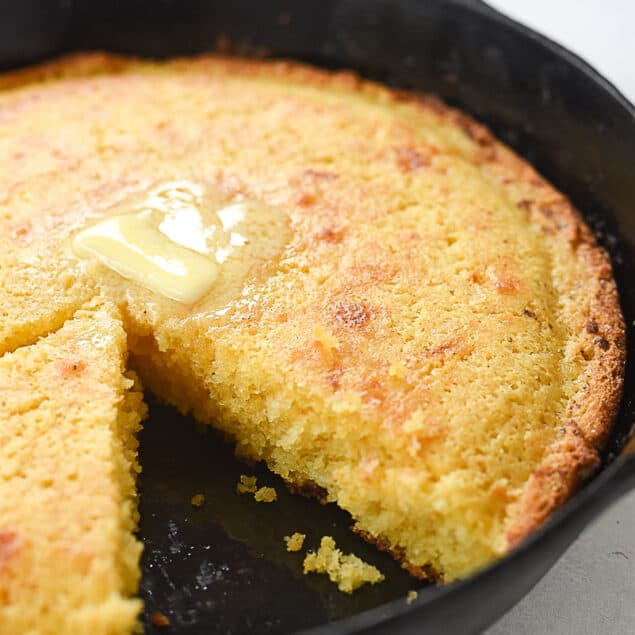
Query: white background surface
{"x": 591, "y": 590}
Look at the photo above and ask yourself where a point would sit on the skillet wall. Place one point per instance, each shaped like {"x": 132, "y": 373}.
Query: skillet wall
{"x": 577, "y": 130}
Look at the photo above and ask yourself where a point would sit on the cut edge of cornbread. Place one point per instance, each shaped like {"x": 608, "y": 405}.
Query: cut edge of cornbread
{"x": 69, "y": 562}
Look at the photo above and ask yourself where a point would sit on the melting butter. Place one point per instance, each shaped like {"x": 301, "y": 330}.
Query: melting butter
{"x": 182, "y": 238}
{"x": 132, "y": 247}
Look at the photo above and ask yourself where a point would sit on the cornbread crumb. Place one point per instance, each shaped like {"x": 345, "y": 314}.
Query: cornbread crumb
{"x": 159, "y": 619}
{"x": 295, "y": 541}
{"x": 266, "y": 495}
{"x": 348, "y": 571}
{"x": 198, "y": 500}
{"x": 411, "y": 597}
{"x": 246, "y": 484}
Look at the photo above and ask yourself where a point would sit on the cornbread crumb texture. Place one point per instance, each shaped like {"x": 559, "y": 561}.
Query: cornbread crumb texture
{"x": 438, "y": 346}
{"x": 295, "y": 541}
{"x": 69, "y": 414}
{"x": 198, "y": 500}
{"x": 411, "y": 597}
{"x": 348, "y": 571}
{"x": 265, "y": 495}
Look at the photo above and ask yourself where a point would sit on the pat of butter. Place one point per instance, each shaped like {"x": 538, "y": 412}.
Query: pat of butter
{"x": 186, "y": 239}
{"x": 132, "y": 247}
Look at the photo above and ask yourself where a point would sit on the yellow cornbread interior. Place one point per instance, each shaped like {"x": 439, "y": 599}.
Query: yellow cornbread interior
{"x": 68, "y": 419}
{"x": 414, "y": 349}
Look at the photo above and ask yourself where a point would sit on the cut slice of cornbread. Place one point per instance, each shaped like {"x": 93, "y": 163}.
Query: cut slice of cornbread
{"x": 430, "y": 334}
{"x": 68, "y": 418}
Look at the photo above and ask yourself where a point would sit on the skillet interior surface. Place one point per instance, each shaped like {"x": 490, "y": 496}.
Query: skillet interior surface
{"x": 224, "y": 568}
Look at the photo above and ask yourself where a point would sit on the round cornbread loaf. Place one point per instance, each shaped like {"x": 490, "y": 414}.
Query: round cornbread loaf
{"x": 439, "y": 346}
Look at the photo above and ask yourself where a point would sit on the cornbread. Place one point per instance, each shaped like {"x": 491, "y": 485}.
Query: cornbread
{"x": 295, "y": 541}
{"x": 265, "y": 495}
{"x": 68, "y": 417}
{"x": 198, "y": 500}
{"x": 421, "y": 327}
{"x": 348, "y": 571}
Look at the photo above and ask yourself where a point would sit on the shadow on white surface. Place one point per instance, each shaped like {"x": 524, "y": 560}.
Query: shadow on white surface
{"x": 591, "y": 590}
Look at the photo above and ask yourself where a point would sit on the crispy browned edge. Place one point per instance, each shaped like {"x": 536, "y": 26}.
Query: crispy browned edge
{"x": 574, "y": 456}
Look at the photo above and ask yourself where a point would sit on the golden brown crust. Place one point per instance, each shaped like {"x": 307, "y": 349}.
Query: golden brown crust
{"x": 426, "y": 572}
{"x": 573, "y": 458}
{"x": 591, "y": 411}
{"x": 588, "y": 419}
{"x": 76, "y": 65}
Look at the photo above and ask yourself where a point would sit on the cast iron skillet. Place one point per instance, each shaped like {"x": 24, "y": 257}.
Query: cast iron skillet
{"x": 224, "y": 569}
